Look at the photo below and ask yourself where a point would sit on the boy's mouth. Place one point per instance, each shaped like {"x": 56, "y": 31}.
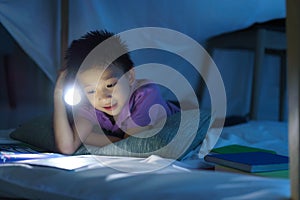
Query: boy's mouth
{"x": 110, "y": 107}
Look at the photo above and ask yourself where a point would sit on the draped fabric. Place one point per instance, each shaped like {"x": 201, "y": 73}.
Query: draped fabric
{"x": 35, "y": 25}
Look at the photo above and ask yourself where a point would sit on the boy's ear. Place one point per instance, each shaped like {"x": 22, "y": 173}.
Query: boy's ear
{"x": 131, "y": 74}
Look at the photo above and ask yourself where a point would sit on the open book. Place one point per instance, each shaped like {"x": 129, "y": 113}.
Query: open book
{"x": 65, "y": 162}
{"x": 10, "y": 157}
{"x": 53, "y": 160}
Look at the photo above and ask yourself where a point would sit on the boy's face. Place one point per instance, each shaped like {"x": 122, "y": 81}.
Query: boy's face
{"x": 109, "y": 90}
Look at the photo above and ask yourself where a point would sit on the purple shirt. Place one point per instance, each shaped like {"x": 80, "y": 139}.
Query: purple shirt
{"x": 144, "y": 101}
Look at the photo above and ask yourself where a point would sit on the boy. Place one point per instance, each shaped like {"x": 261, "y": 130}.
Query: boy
{"x": 114, "y": 99}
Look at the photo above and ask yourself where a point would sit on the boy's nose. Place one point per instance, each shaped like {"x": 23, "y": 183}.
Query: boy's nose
{"x": 104, "y": 93}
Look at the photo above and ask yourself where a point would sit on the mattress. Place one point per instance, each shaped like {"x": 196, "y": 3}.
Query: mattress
{"x": 153, "y": 177}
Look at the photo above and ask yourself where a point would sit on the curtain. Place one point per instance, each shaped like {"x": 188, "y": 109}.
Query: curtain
{"x": 35, "y": 25}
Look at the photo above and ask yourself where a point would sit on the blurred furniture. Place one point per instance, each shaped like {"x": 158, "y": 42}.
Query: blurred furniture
{"x": 6, "y": 49}
{"x": 261, "y": 38}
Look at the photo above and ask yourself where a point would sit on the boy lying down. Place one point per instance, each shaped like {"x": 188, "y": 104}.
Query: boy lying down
{"x": 111, "y": 97}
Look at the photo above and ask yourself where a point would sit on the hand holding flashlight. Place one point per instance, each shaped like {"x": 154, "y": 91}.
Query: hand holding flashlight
{"x": 70, "y": 94}
{"x": 60, "y": 82}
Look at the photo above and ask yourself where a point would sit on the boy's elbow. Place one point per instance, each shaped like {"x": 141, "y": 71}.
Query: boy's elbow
{"x": 65, "y": 149}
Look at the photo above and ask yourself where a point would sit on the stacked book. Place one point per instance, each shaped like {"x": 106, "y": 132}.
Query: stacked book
{"x": 249, "y": 160}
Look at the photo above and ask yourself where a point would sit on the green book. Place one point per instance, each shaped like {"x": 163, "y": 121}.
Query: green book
{"x": 235, "y": 148}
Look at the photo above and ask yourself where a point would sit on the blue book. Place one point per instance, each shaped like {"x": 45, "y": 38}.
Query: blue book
{"x": 250, "y": 161}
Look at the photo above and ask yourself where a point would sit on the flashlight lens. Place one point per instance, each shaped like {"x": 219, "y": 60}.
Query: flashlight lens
{"x": 72, "y": 97}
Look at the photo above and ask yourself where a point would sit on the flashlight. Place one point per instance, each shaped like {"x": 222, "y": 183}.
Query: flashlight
{"x": 72, "y": 96}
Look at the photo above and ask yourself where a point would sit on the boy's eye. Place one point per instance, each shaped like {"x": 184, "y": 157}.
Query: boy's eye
{"x": 91, "y": 91}
{"x": 111, "y": 85}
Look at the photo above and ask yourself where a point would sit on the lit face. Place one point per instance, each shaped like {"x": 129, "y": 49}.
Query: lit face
{"x": 109, "y": 90}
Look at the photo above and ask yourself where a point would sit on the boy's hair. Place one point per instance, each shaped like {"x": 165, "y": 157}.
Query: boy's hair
{"x": 80, "y": 49}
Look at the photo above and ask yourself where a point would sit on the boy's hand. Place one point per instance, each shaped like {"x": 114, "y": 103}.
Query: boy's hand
{"x": 59, "y": 86}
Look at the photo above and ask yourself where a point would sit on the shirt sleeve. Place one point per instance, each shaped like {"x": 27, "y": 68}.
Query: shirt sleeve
{"x": 147, "y": 106}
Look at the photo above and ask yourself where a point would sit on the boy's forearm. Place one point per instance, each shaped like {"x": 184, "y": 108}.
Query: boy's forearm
{"x": 63, "y": 132}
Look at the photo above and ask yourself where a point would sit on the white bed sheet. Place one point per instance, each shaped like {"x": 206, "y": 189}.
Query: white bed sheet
{"x": 106, "y": 183}
{"x": 272, "y": 135}
{"x": 175, "y": 180}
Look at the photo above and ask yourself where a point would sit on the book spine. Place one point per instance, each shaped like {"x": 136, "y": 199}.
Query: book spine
{"x": 239, "y": 166}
